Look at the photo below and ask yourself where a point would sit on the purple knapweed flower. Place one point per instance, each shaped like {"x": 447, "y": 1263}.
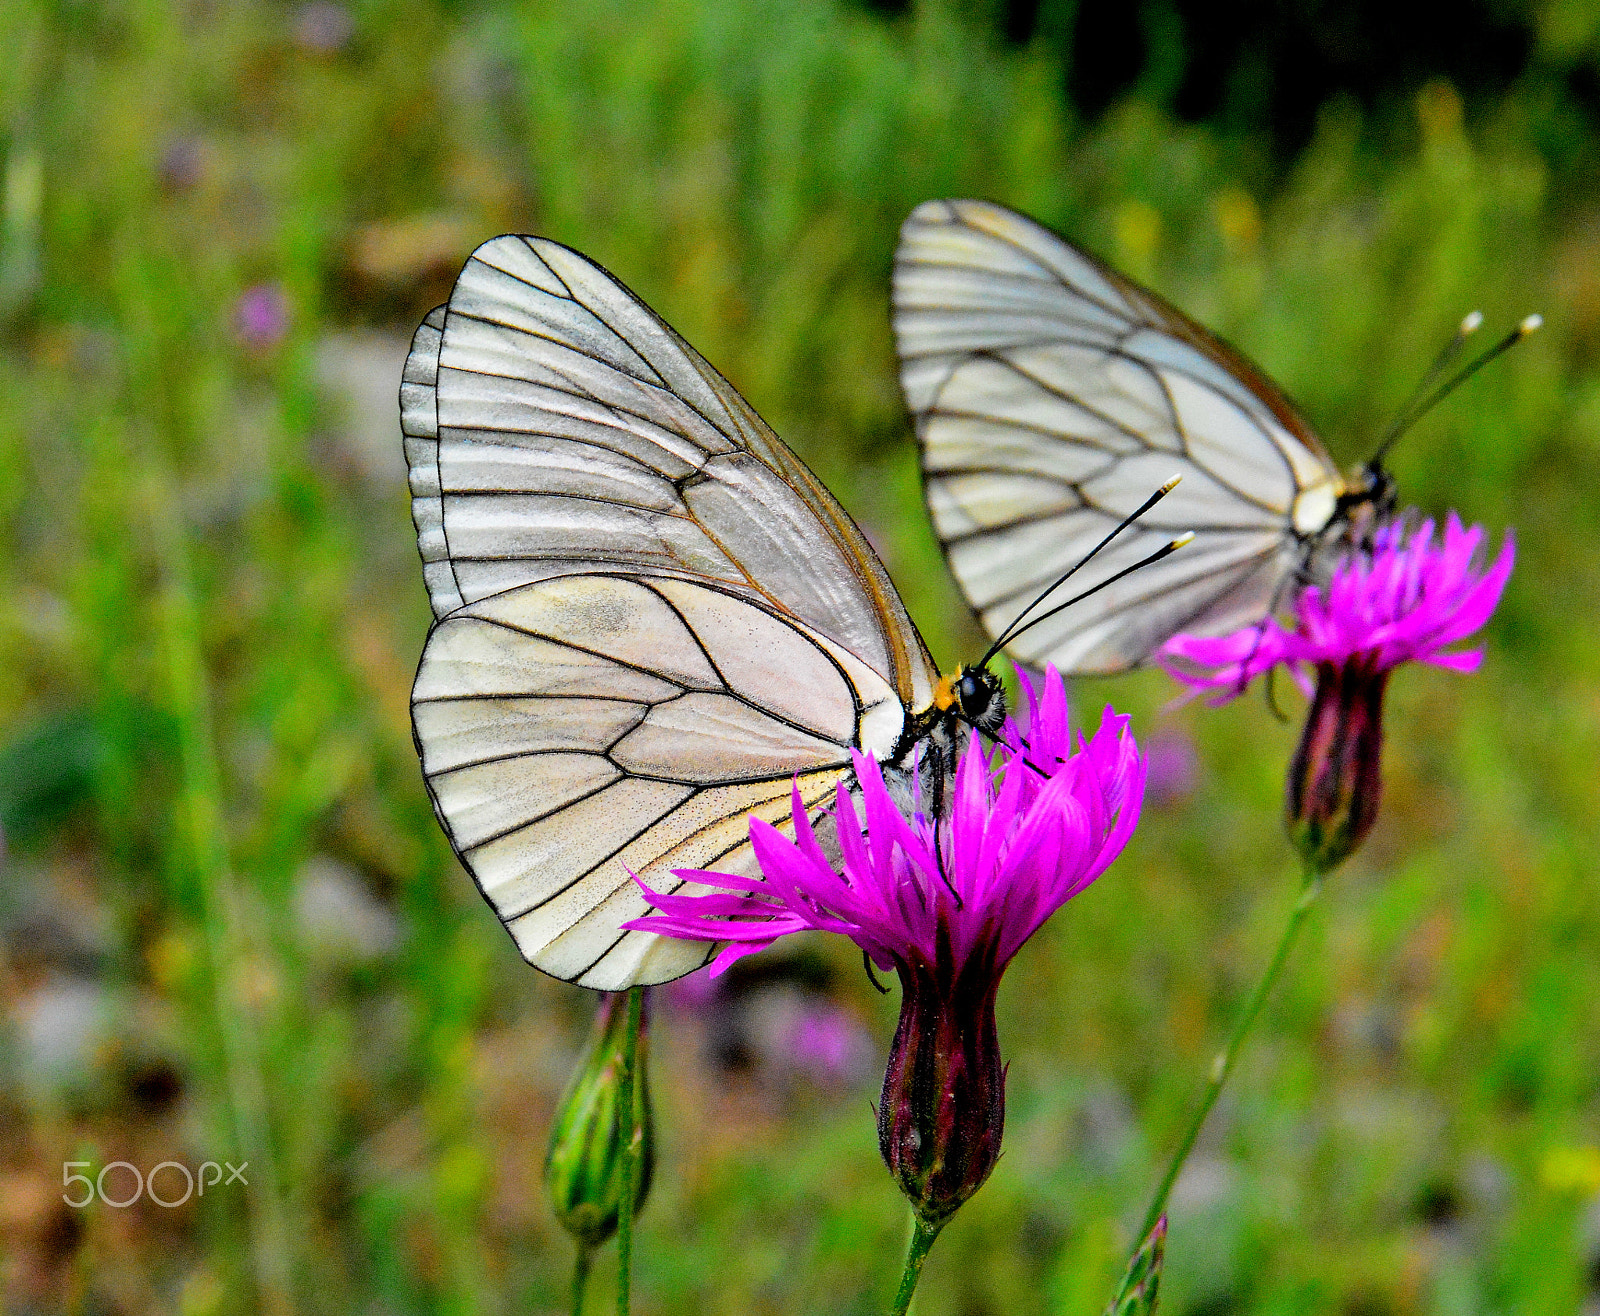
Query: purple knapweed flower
{"x": 1406, "y": 599}
{"x": 946, "y": 907}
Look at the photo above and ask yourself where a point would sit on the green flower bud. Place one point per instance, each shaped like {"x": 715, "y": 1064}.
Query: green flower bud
{"x": 1137, "y": 1294}
{"x": 583, "y": 1167}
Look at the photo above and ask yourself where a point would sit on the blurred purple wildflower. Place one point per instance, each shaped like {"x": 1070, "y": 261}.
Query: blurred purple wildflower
{"x": 829, "y": 1044}
{"x": 261, "y": 316}
{"x": 182, "y": 163}
{"x": 1174, "y": 764}
{"x": 323, "y": 28}
{"x": 1404, "y": 600}
{"x": 946, "y": 908}
{"x": 693, "y": 992}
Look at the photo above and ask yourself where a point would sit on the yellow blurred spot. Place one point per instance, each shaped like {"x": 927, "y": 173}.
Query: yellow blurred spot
{"x": 255, "y": 982}
{"x": 398, "y": 250}
{"x": 461, "y": 1175}
{"x": 1439, "y": 110}
{"x": 1238, "y": 218}
{"x": 458, "y": 1057}
{"x": 202, "y": 1294}
{"x": 1573, "y": 1171}
{"x": 171, "y": 960}
{"x": 55, "y": 347}
{"x": 1138, "y": 229}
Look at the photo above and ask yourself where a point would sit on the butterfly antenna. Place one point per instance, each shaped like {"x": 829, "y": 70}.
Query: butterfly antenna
{"x": 1415, "y": 410}
{"x": 1016, "y": 628}
{"x": 1170, "y": 547}
{"x": 1468, "y": 326}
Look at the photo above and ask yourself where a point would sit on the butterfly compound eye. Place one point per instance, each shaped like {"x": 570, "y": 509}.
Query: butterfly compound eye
{"x": 972, "y": 695}
{"x": 981, "y": 699}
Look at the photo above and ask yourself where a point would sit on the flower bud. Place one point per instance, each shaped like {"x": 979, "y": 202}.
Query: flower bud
{"x": 1335, "y": 781}
{"x": 1142, "y": 1281}
{"x": 584, "y": 1164}
{"x": 944, "y": 1105}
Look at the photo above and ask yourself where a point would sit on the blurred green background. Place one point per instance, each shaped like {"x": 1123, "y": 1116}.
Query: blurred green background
{"x": 231, "y": 928}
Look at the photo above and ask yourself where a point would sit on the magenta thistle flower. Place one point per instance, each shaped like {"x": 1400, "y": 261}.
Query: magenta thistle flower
{"x": 1404, "y": 600}
{"x": 946, "y": 908}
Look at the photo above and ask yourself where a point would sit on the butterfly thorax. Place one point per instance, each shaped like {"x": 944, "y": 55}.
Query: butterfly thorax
{"x": 1368, "y": 501}
{"x": 973, "y": 696}
{"x": 1356, "y": 510}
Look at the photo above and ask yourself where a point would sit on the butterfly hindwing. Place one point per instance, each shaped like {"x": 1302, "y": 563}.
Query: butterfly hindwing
{"x": 585, "y": 727}
{"x": 1051, "y": 397}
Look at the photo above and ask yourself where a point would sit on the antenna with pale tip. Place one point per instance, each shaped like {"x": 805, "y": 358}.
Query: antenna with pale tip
{"x": 1171, "y": 546}
{"x": 1016, "y": 628}
{"x": 1415, "y": 409}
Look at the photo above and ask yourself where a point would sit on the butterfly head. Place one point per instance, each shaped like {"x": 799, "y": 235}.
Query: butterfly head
{"x": 1374, "y": 487}
{"x": 975, "y": 696}
{"x": 1369, "y": 500}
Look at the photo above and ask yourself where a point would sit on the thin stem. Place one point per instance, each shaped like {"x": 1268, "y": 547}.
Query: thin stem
{"x": 628, "y": 1101}
{"x": 202, "y": 828}
{"x": 580, "y": 1275}
{"x": 1223, "y": 1065}
{"x": 922, "y": 1236}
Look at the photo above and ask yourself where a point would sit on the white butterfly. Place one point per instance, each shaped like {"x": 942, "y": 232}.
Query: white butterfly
{"x": 651, "y": 618}
{"x": 1051, "y": 394}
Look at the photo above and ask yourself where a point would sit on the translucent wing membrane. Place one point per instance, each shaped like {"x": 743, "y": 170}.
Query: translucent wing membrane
{"x": 651, "y": 617}
{"x": 584, "y": 727}
{"x": 419, "y": 426}
{"x": 1051, "y": 396}
{"x": 574, "y": 431}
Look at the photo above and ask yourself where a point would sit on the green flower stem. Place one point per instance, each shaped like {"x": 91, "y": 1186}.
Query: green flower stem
{"x": 1223, "y": 1065}
{"x": 580, "y": 1275}
{"x": 202, "y": 826}
{"x": 628, "y": 1100}
{"x": 922, "y": 1236}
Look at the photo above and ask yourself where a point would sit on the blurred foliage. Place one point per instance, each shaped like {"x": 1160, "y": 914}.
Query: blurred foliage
{"x": 1264, "y": 70}
{"x": 232, "y": 928}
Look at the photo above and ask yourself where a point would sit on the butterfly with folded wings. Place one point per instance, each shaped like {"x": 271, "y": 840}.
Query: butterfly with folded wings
{"x": 1050, "y": 394}
{"x": 651, "y": 619}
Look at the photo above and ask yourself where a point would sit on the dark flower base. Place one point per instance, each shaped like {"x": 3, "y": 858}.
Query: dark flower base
{"x": 944, "y": 1106}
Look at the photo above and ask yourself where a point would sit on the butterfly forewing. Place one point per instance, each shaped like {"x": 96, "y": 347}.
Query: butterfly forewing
{"x": 1051, "y": 397}
{"x": 575, "y": 430}
{"x": 419, "y": 426}
{"x": 651, "y": 618}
